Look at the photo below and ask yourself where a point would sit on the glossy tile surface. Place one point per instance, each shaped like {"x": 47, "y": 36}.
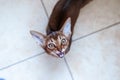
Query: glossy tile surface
{"x": 42, "y": 67}
{"x": 94, "y": 53}
{"x": 94, "y": 16}
{"x": 96, "y": 57}
{"x": 17, "y": 18}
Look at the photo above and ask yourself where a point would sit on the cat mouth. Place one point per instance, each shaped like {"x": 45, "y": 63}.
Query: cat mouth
{"x": 61, "y": 54}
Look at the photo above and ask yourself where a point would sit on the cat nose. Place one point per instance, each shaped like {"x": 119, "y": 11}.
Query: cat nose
{"x": 61, "y": 54}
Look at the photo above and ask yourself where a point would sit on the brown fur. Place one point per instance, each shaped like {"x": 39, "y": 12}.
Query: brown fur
{"x": 62, "y": 10}
{"x": 60, "y": 27}
{"x": 55, "y": 37}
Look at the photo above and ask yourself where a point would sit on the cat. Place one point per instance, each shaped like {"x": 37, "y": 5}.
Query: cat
{"x": 57, "y": 40}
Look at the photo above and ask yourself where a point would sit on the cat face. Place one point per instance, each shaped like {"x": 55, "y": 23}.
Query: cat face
{"x": 57, "y": 42}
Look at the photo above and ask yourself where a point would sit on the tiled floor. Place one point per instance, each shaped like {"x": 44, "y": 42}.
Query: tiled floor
{"x": 95, "y": 50}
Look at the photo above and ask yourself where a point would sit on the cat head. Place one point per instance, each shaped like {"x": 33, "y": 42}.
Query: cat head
{"x": 56, "y": 43}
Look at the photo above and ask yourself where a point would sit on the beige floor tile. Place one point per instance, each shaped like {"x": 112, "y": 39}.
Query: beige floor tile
{"x": 96, "y": 57}
{"x": 17, "y": 18}
{"x": 49, "y": 5}
{"x": 94, "y": 16}
{"x": 92, "y": 58}
{"x": 42, "y": 67}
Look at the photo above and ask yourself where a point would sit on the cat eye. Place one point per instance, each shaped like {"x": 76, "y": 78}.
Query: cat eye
{"x": 63, "y": 41}
{"x": 51, "y": 46}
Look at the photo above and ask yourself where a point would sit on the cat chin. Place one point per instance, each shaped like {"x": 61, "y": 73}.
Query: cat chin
{"x": 58, "y": 54}
{"x": 61, "y": 54}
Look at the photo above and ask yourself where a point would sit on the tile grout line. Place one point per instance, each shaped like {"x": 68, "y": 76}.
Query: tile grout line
{"x": 64, "y": 57}
{"x": 72, "y": 41}
{"x": 18, "y": 62}
{"x": 6, "y": 67}
{"x": 44, "y": 8}
{"x": 68, "y": 67}
{"x": 109, "y": 26}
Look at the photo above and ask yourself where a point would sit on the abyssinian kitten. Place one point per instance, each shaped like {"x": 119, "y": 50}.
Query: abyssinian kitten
{"x": 60, "y": 27}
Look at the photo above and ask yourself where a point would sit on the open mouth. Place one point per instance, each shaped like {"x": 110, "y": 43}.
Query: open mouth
{"x": 61, "y": 54}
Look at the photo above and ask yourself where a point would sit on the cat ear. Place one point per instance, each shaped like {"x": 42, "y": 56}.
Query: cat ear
{"x": 40, "y": 38}
{"x": 66, "y": 29}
